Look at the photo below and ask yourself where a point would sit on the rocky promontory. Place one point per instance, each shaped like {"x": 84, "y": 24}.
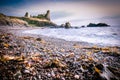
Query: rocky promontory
{"x": 28, "y": 20}
{"x": 97, "y": 25}
{"x": 11, "y": 21}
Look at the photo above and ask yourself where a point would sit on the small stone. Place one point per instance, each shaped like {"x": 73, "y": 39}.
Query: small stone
{"x": 100, "y": 67}
{"x": 52, "y": 74}
{"x": 49, "y": 75}
{"x": 70, "y": 55}
{"x": 39, "y": 39}
{"x": 62, "y": 50}
{"x": 39, "y": 77}
{"x": 1, "y": 41}
{"x": 58, "y": 76}
{"x": 85, "y": 60}
{"x": 36, "y": 55}
{"x": 18, "y": 74}
{"x": 77, "y": 76}
{"x": 27, "y": 71}
{"x": 62, "y": 78}
{"x": 6, "y": 37}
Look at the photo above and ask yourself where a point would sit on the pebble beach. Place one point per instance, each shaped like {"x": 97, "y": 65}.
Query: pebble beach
{"x": 37, "y": 57}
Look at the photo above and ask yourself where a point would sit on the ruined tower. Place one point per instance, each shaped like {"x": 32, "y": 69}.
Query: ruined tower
{"x": 47, "y": 15}
{"x": 27, "y": 15}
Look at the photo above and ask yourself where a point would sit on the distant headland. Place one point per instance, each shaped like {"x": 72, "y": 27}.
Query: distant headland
{"x": 97, "y": 25}
{"x": 27, "y": 20}
{"x": 41, "y": 20}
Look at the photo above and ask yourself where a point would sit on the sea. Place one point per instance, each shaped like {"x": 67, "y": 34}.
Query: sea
{"x": 105, "y": 36}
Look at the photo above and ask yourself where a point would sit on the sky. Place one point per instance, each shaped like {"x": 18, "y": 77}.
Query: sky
{"x": 77, "y": 12}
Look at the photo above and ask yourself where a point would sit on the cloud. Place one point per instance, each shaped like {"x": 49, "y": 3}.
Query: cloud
{"x": 65, "y": 10}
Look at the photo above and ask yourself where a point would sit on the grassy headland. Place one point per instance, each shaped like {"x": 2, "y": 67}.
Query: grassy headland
{"x": 25, "y": 21}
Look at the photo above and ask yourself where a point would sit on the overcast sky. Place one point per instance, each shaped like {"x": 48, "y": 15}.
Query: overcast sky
{"x": 78, "y": 12}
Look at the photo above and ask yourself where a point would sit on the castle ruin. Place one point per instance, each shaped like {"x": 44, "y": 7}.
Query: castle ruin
{"x": 41, "y": 16}
{"x": 47, "y": 15}
{"x": 27, "y": 15}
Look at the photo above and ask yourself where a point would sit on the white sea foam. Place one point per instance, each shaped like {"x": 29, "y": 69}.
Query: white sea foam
{"x": 98, "y": 35}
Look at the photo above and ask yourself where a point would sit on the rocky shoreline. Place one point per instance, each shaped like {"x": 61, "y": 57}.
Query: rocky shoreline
{"x": 30, "y": 57}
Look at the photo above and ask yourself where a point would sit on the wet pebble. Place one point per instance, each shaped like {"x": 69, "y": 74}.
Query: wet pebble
{"x": 52, "y": 73}
{"x": 26, "y": 71}
{"x": 100, "y": 67}
{"x": 76, "y": 76}
{"x": 49, "y": 75}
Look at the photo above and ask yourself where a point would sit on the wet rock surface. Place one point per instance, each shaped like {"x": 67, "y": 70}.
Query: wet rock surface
{"x": 30, "y": 58}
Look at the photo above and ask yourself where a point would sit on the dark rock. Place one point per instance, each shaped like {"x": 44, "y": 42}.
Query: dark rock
{"x": 102, "y": 24}
{"x": 11, "y": 47}
{"x": 82, "y": 26}
{"x": 62, "y": 25}
{"x": 1, "y": 41}
{"x": 76, "y": 27}
{"x": 67, "y": 25}
{"x": 6, "y": 37}
{"x": 97, "y": 25}
{"x": 91, "y": 68}
{"x": 114, "y": 34}
{"x": 39, "y": 39}
{"x": 91, "y": 25}
{"x": 100, "y": 67}
{"x": 98, "y": 77}
{"x": 114, "y": 71}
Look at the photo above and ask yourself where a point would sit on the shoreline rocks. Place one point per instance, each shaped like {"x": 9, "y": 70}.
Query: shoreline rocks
{"x": 66, "y": 25}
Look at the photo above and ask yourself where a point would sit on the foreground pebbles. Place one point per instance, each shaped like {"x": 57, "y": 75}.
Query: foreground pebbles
{"x": 29, "y": 58}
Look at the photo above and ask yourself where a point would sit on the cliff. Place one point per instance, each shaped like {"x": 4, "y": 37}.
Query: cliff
{"x": 27, "y": 20}
{"x": 5, "y": 20}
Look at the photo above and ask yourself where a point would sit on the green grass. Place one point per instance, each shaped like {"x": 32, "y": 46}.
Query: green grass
{"x": 6, "y": 20}
{"x": 40, "y": 17}
{"x": 37, "y": 23}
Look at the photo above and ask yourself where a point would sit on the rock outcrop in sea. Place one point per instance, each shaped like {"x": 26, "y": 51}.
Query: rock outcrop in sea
{"x": 66, "y": 25}
{"x": 97, "y": 25}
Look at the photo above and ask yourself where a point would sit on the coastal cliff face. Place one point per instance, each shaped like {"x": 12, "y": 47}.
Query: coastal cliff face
{"x": 39, "y": 21}
{"x": 10, "y": 21}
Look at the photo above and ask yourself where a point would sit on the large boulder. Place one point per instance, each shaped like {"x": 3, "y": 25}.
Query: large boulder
{"x": 67, "y": 25}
